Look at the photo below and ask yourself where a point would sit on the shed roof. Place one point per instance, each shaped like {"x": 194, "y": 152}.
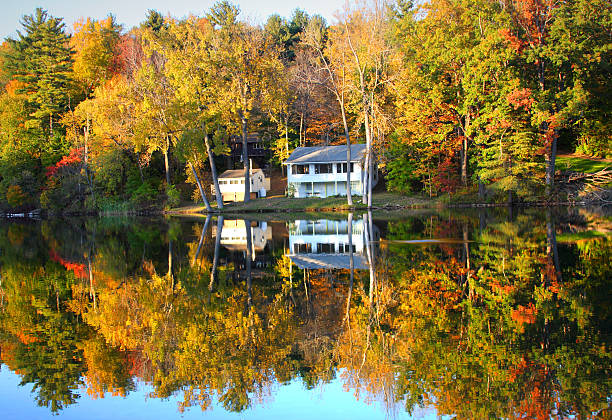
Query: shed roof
{"x": 326, "y": 154}
{"x": 237, "y": 173}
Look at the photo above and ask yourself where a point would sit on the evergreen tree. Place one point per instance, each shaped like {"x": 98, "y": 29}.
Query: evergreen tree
{"x": 41, "y": 59}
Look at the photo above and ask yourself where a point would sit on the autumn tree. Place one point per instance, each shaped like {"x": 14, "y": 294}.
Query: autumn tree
{"x": 95, "y": 45}
{"x": 248, "y": 73}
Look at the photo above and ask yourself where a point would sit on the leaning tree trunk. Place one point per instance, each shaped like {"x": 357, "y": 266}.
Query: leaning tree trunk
{"x": 351, "y": 270}
{"x": 249, "y": 256}
{"x": 167, "y": 163}
{"x": 204, "y": 199}
{"x": 366, "y": 195}
{"x": 215, "y": 263}
{"x": 349, "y": 196}
{"x": 202, "y": 234}
{"x": 213, "y": 170}
{"x": 247, "y": 165}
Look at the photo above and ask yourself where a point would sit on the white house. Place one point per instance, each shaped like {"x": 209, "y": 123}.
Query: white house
{"x": 231, "y": 184}
{"x": 324, "y": 244}
{"x": 321, "y": 171}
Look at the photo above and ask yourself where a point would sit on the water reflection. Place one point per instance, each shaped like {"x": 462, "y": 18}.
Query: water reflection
{"x": 328, "y": 244}
{"x": 491, "y": 314}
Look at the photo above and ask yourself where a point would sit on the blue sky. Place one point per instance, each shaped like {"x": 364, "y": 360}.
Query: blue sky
{"x": 131, "y": 12}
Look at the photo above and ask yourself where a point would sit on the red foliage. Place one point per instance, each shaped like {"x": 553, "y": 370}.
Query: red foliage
{"x": 540, "y": 393}
{"x": 551, "y": 131}
{"x": 128, "y": 55}
{"x": 78, "y": 269}
{"x": 447, "y": 174}
{"x": 75, "y": 156}
{"x": 532, "y": 16}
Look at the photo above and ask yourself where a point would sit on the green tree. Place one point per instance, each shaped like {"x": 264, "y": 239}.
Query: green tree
{"x": 41, "y": 58}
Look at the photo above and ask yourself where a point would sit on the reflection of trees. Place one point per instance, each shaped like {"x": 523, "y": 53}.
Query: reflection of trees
{"x": 511, "y": 324}
{"x": 503, "y": 346}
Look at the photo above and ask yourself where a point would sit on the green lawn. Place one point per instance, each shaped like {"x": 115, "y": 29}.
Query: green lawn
{"x": 579, "y": 164}
{"x": 379, "y": 200}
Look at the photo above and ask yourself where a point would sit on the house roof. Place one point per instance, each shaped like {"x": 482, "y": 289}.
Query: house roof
{"x": 326, "y": 154}
{"x": 251, "y": 138}
{"x": 237, "y": 173}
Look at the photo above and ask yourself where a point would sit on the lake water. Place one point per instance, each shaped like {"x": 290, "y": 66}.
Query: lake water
{"x": 481, "y": 314}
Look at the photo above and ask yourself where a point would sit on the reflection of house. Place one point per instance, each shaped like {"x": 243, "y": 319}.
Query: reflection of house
{"x": 231, "y": 184}
{"x": 233, "y": 236}
{"x": 325, "y": 244}
{"x": 321, "y": 171}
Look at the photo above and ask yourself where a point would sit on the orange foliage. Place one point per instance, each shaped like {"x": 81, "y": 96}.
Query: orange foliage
{"x": 521, "y": 98}
{"x": 13, "y": 86}
{"x": 524, "y": 315}
{"x": 512, "y": 39}
{"x": 26, "y": 338}
{"x": 502, "y": 290}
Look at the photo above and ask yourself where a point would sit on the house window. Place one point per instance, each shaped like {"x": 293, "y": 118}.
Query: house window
{"x": 222, "y": 182}
{"x": 341, "y": 168}
{"x": 323, "y": 168}
{"x": 345, "y": 248}
{"x": 301, "y": 248}
{"x": 300, "y": 169}
{"x": 325, "y": 248}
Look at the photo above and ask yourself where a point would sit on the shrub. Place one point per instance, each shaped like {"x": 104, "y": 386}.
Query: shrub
{"x": 15, "y": 196}
{"x": 174, "y": 196}
{"x": 145, "y": 192}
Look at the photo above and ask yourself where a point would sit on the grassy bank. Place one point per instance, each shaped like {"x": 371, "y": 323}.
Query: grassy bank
{"x": 383, "y": 200}
{"x": 582, "y": 164}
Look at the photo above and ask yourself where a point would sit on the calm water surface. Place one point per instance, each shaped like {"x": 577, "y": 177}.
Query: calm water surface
{"x": 489, "y": 314}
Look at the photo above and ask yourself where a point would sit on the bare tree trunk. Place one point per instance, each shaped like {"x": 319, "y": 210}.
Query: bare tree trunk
{"x": 463, "y": 157}
{"x": 349, "y": 194}
{"x": 213, "y": 269}
{"x": 283, "y": 167}
{"x": 370, "y": 174}
{"x": 301, "y": 125}
{"x": 551, "y": 157}
{"x": 249, "y": 256}
{"x": 170, "y": 276}
{"x": 368, "y": 133}
{"x": 88, "y": 174}
{"x": 213, "y": 170}
{"x": 167, "y": 163}
{"x": 552, "y": 252}
{"x": 464, "y": 150}
{"x": 204, "y": 199}
{"x": 204, "y": 230}
{"x": 247, "y": 165}
{"x": 92, "y": 290}
{"x": 351, "y": 268}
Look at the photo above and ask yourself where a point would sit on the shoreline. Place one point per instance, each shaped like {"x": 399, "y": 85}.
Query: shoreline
{"x": 284, "y": 205}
